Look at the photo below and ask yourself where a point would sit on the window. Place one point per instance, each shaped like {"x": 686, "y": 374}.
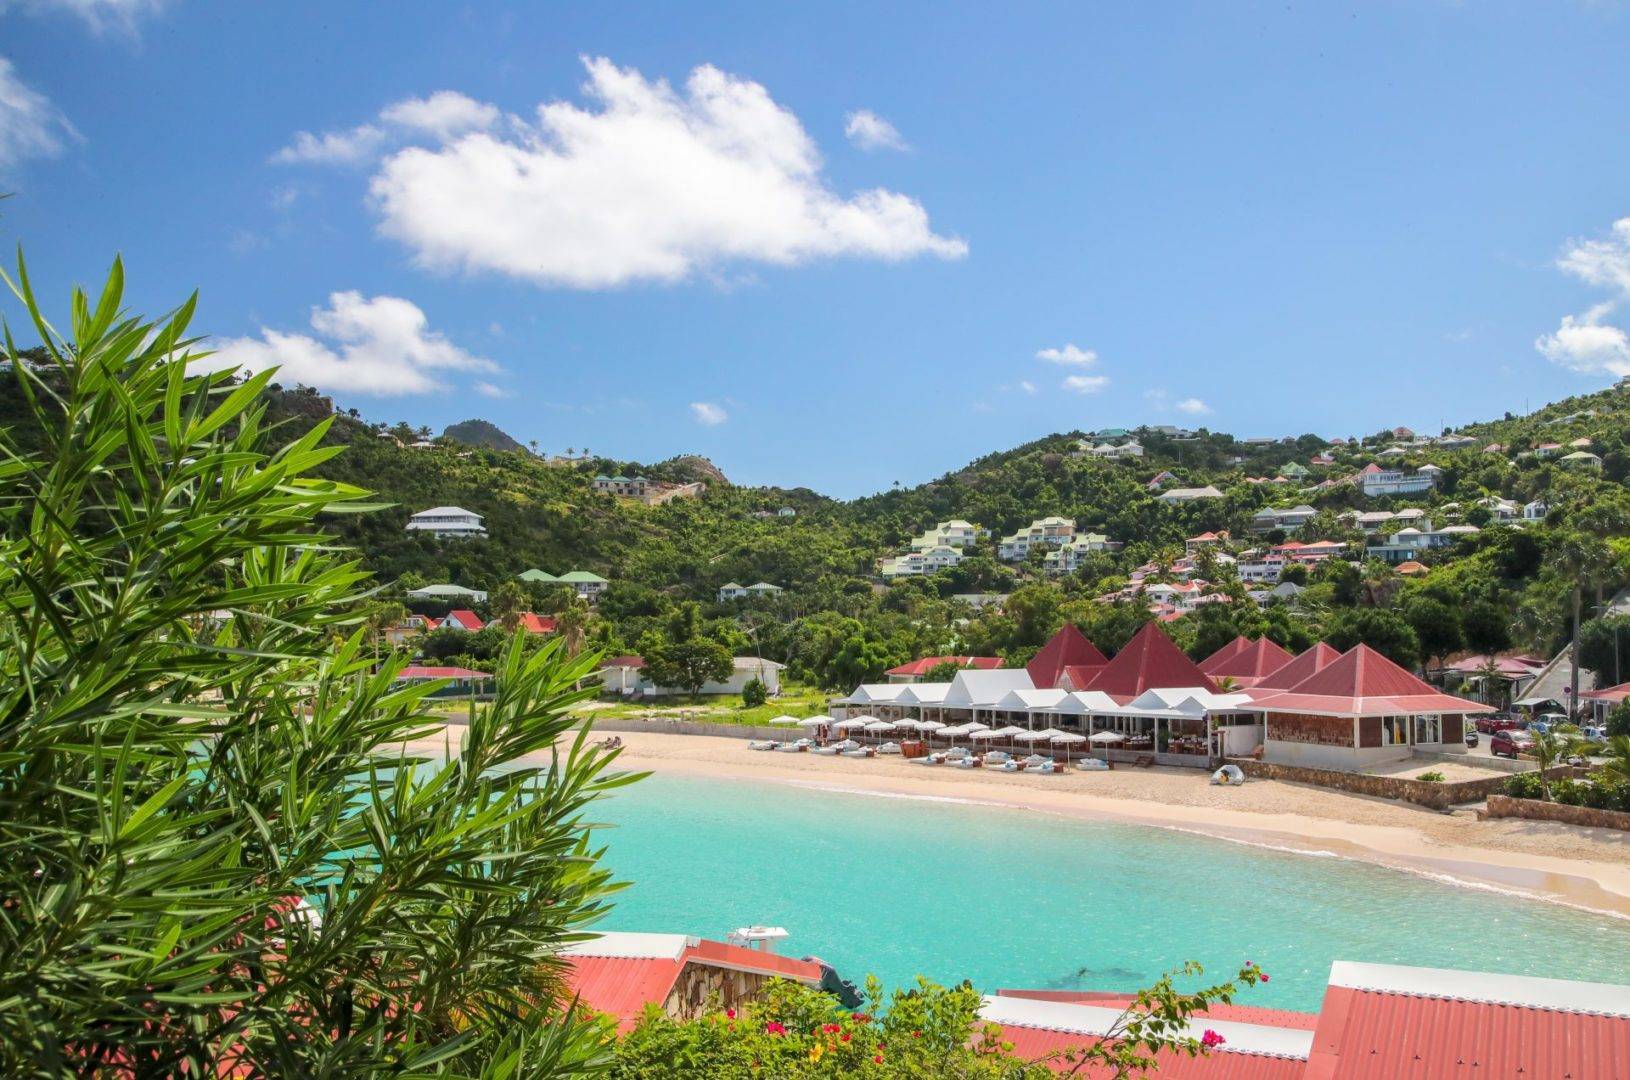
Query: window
{"x": 1428, "y": 729}
{"x": 1394, "y": 731}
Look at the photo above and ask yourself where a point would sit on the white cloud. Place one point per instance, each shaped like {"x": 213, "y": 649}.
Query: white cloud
{"x": 707, "y": 413}
{"x": 647, "y": 183}
{"x": 1069, "y": 355}
{"x": 869, "y": 131}
{"x": 492, "y": 390}
{"x": 1193, "y": 406}
{"x": 378, "y": 345}
{"x": 1027, "y": 386}
{"x": 1085, "y": 384}
{"x": 443, "y": 115}
{"x": 99, "y": 15}
{"x": 1602, "y": 262}
{"x": 351, "y": 147}
{"x": 30, "y": 126}
{"x": 1585, "y": 343}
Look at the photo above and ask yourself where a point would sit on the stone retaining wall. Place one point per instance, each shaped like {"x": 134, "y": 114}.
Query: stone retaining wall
{"x": 1534, "y": 810}
{"x": 1437, "y": 796}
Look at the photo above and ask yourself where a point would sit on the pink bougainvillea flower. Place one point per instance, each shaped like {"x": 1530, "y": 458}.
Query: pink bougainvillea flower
{"x": 1264, "y": 976}
{"x": 1211, "y": 1039}
{"x": 730, "y": 1014}
{"x": 878, "y": 1058}
{"x": 775, "y": 1027}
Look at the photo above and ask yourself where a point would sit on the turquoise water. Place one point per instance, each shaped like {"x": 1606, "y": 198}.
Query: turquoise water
{"x": 1009, "y": 898}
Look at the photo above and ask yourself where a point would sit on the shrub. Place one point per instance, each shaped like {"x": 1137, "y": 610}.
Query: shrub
{"x": 195, "y": 739}
{"x": 755, "y": 693}
{"x": 1431, "y": 776}
{"x": 1618, "y": 721}
{"x": 1525, "y": 785}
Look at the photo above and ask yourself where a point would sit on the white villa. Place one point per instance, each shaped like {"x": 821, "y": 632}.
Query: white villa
{"x": 447, "y": 522}
{"x": 450, "y": 593}
{"x": 631, "y": 486}
{"x": 918, "y": 563}
{"x": 1130, "y": 450}
{"x": 1410, "y": 543}
{"x": 763, "y": 590}
{"x": 1067, "y": 558}
{"x": 1043, "y": 532}
{"x": 955, "y": 534}
{"x": 1268, "y": 519}
{"x": 1177, "y": 495}
{"x": 1374, "y": 481}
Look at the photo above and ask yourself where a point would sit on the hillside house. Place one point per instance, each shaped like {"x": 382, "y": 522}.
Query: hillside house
{"x": 1582, "y": 459}
{"x": 955, "y": 533}
{"x": 1043, "y": 532}
{"x": 1067, "y": 558}
{"x": 1288, "y": 520}
{"x": 1410, "y": 543}
{"x": 587, "y": 585}
{"x": 449, "y": 594}
{"x": 1375, "y": 481}
{"x": 447, "y": 523}
{"x": 1160, "y": 480}
{"x": 762, "y": 591}
{"x": 918, "y": 563}
{"x": 633, "y": 487}
{"x": 462, "y": 619}
{"x": 1183, "y": 495}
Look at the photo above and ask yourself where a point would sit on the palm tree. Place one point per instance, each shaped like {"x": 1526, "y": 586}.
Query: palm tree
{"x": 1617, "y": 753}
{"x": 1583, "y": 561}
{"x": 571, "y": 622}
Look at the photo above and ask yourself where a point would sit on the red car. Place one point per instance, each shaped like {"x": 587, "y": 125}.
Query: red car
{"x": 1510, "y": 743}
{"x": 1498, "y": 722}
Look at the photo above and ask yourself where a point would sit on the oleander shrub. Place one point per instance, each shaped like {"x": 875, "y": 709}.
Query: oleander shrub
{"x": 216, "y": 855}
{"x": 1525, "y": 785}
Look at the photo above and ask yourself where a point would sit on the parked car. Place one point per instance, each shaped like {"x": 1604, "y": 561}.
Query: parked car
{"x": 1471, "y": 736}
{"x": 1489, "y": 723}
{"x": 1545, "y": 722}
{"x": 1511, "y": 743}
{"x": 1594, "y": 732}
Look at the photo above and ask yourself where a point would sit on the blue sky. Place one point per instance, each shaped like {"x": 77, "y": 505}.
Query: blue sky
{"x": 848, "y": 246}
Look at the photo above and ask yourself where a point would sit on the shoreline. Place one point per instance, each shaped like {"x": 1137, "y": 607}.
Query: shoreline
{"x": 1592, "y": 872}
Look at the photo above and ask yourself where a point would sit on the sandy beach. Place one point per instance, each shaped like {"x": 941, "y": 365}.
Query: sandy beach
{"x": 1588, "y": 868}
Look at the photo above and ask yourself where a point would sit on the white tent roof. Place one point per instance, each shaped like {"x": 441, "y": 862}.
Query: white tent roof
{"x": 1085, "y": 701}
{"x": 1041, "y": 700}
{"x": 877, "y": 693}
{"x": 923, "y": 693}
{"x": 986, "y": 687}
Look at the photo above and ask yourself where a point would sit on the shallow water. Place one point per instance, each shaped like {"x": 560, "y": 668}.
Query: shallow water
{"x": 1012, "y": 898}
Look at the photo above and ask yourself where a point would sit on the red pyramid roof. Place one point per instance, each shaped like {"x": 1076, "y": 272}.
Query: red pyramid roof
{"x": 1362, "y": 682}
{"x": 1224, "y": 653}
{"x": 1257, "y": 660}
{"x": 1068, "y": 648}
{"x": 1078, "y": 676}
{"x": 1149, "y": 660}
{"x": 1306, "y": 663}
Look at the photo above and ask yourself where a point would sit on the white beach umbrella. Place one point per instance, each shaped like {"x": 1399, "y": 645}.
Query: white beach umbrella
{"x": 953, "y": 731}
{"x": 787, "y": 721}
{"x": 929, "y": 725}
{"x": 906, "y": 724}
{"x": 985, "y": 735}
{"x": 814, "y": 721}
{"x": 1067, "y": 739}
{"x": 878, "y": 727}
{"x": 853, "y": 723}
{"x": 1101, "y": 737}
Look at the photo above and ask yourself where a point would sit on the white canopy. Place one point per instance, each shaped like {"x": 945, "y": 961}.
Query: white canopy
{"x": 1106, "y": 737}
{"x": 785, "y": 720}
{"x": 880, "y": 726}
{"x": 815, "y": 721}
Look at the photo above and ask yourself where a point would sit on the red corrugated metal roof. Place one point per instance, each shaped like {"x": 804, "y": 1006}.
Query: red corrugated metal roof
{"x": 466, "y": 618}
{"x": 1149, "y": 660}
{"x": 921, "y": 667}
{"x": 1362, "y": 682}
{"x": 1034, "y": 1043}
{"x": 1068, "y": 648}
{"x": 622, "y": 986}
{"x": 1365, "y": 1035}
{"x": 1306, "y": 663}
{"x": 1254, "y": 660}
{"x": 1225, "y": 652}
{"x": 537, "y": 624}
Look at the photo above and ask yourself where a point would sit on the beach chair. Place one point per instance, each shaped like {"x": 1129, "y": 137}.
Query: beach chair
{"x": 889, "y": 748}
{"x": 860, "y": 752}
{"x": 997, "y": 757}
{"x": 1042, "y": 768}
{"x": 761, "y": 744}
{"x": 969, "y": 762}
{"x": 1092, "y": 764}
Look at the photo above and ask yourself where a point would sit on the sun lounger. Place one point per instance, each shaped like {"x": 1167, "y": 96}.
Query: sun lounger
{"x": 864, "y": 751}
{"x": 762, "y": 744}
{"x": 997, "y": 757}
{"x": 794, "y": 747}
{"x": 1092, "y": 764}
{"x": 966, "y": 763}
{"x": 889, "y": 748}
{"x": 1011, "y": 765}
{"x": 828, "y": 751}
{"x": 1045, "y": 768}
{"x": 956, "y": 752}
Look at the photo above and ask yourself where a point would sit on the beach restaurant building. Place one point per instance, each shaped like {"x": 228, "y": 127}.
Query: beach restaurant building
{"x": 1321, "y": 709}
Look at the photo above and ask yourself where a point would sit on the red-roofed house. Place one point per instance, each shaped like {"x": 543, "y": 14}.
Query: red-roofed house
{"x": 619, "y": 974}
{"x": 1249, "y": 664}
{"x": 1069, "y": 648}
{"x": 1383, "y": 1022}
{"x": 1359, "y": 711}
{"x": 1306, "y": 663}
{"x": 537, "y": 624}
{"x": 1225, "y": 652}
{"x": 912, "y": 672}
{"x": 463, "y": 619}
{"x": 465, "y": 681}
{"x": 1149, "y": 661}
{"x": 1602, "y": 702}
{"x": 1204, "y": 540}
